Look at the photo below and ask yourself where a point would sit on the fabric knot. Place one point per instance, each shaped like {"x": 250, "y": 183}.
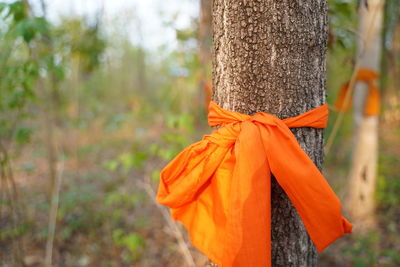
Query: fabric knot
{"x": 219, "y": 187}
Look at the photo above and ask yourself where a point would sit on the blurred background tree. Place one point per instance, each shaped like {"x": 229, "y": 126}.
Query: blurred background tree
{"x": 363, "y": 171}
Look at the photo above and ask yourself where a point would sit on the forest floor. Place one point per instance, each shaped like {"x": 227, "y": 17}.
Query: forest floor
{"x": 107, "y": 215}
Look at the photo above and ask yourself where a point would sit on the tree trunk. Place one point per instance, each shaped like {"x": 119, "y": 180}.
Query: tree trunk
{"x": 269, "y": 56}
{"x": 205, "y": 50}
{"x": 361, "y": 204}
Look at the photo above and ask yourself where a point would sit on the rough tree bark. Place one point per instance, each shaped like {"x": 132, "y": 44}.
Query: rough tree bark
{"x": 361, "y": 204}
{"x": 269, "y": 56}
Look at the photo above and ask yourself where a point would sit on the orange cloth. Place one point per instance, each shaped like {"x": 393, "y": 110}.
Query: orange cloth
{"x": 219, "y": 187}
{"x": 372, "y": 104}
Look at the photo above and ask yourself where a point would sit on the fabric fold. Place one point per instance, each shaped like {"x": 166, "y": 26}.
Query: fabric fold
{"x": 372, "y": 103}
{"x": 219, "y": 188}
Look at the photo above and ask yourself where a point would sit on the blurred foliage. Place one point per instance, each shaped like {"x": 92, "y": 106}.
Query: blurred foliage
{"x": 388, "y": 184}
{"x": 361, "y": 253}
{"x": 342, "y": 24}
{"x": 20, "y": 65}
{"x": 131, "y": 241}
{"x": 33, "y": 49}
{"x": 81, "y": 40}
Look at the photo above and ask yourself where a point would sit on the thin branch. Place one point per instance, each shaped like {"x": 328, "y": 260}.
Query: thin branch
{"x": 53, "y": 216}
{"x": 349, "y": 92}
{"x": 184, "y": 248}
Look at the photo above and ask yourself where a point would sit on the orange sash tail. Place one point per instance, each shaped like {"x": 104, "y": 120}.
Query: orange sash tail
{"x": 219, "y": 187}
{"x": 372, "y": 104}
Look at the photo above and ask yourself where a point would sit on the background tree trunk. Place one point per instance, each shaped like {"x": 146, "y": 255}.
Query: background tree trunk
{"x": 205, "y": 35}
{"x": 205, "y": 50}
{"x": 361, "y": 204}
{"x": 270, "y": 56}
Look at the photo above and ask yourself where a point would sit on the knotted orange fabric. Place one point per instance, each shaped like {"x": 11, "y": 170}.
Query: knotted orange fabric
{"x": 219, "y": 188}
{"x": 372, "y": 104}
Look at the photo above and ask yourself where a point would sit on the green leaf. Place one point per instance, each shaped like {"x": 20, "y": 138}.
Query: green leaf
{"x": 171, "y": 121}
{"x": 16, "y": 99}
{"x": 185, "y": 34}
{"x": 18, "y": 10}
{"x": 134, "y": 242}
{"x": 155, "y": 176}
{"x": 186, "y": 122}
{"x": 25, "y": 30}
{"x": 23, "y": 135}
{"x": 113, "y": 198}
{"x": 111, "y": 165}
{"x": 117, "y": 236}
{"x": 153, "y": 149}
{"x": 3, "y": 6}
{"x": 126, "y": 160}
{"x": 138, "y": 159}
{"x": 41, "y": 25}
{"x": 167, "y": 153}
